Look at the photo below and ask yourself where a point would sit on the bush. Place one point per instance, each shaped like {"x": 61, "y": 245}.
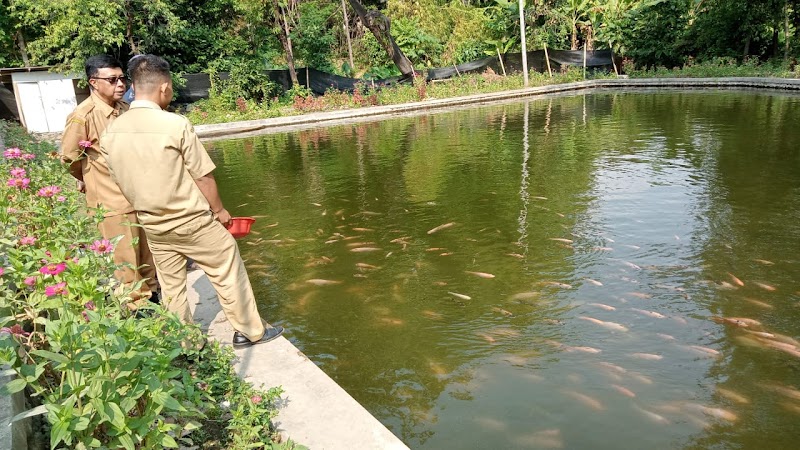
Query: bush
{"x": 102, "y": 377}
{"x": 246, "y": 80}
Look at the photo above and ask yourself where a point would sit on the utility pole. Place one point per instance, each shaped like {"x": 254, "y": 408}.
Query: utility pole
{"x": 524, "y": 47}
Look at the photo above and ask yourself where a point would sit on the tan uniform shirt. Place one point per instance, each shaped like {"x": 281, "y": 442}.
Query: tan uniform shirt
{"x": 154, "y": 157}
{"x": 87, "y": 123}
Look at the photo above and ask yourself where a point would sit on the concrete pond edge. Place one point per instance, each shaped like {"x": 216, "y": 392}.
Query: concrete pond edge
{"x": 232, "y": 130}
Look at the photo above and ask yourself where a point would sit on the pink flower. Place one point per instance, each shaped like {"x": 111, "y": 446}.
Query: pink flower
{"x": 2, "y": 271}
{"x": 11, "y": 210}
{"x": 53, "y": 268}
{"x": 30, "y": 281}
{"x": 15, "y": 330}
{"x": 28, "y": 156}
{"x": 21, "y": 183}
{"x": 84, "y": 144}
{"x": 12, "y": 153}
{"x": 18, "y": 172}
{"x": 102, "y": 247}
{"x": 89, "y": 305}
{"x": 56, "y": 289}
{"x": 48, "y": 191}
{"x": 256, "y": 399}
{"x": 27, "y": 240}
{"x": 61, "y": 198}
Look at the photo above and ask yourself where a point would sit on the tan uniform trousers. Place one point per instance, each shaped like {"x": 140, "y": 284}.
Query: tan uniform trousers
{"x": 134, "y": 260}
{"x": 213, "y": 248}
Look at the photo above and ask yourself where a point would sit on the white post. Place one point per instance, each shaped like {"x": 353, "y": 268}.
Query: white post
{"x": 524, "y": 48}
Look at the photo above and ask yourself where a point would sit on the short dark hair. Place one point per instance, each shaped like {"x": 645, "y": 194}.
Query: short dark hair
{"x": 95, "y": 63}
{"x": 148, "y": 71}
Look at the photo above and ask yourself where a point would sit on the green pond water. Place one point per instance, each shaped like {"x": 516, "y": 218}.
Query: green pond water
{"x": 617, "y": 227}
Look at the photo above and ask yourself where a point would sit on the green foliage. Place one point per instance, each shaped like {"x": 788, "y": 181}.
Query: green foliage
{"x": 370, "y": 54}
{"x": 246, "y": 81}
{"x": 420, "y": 47}
{"x": 713, "y": 32}
{"x": 502, "y": 25}
{"x": 103, "y": 378}
{"x": 314, "y": 35}
{"x": 657, "y": 33}
{"x": 715, "y": 68}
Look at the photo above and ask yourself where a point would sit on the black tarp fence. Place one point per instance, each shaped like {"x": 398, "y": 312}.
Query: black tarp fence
{"x": 198, "y": 84}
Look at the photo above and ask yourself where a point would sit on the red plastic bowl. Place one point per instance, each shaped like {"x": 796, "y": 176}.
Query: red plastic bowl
{"x": 240, "y": 226}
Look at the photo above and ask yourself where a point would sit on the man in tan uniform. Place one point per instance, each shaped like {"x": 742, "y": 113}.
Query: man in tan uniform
{"x": 164, "y": 171}
{"x": 80, "y": 148}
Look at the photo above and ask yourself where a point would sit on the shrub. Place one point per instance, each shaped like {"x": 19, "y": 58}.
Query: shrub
{"x": 102, "y": 377}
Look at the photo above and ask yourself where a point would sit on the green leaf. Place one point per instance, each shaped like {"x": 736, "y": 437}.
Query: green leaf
{"x": 58, "y": 433}
{"x": 52, "y": 356}
{"x": 167, "y": 441}
{"x": 42, "y": 409}
{"x": 117, "y": 417}
{"x": 13, "y": 386}
{"x": 127, "y": 441}
{"x": 81, "y": 423}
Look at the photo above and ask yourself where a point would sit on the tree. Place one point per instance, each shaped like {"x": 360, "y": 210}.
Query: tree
{"x": 379, "y": 25}
{"x": 575, "y": 16}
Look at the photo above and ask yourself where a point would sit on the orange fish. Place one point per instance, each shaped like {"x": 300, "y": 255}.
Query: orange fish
{"x": 736, "y": 281}
{"x": 441, "y": 227}
{"x": 321, "y": 282}
{"x": 586, "y": 400}
{"x": 460, "y": 296}
{"x": 480, "y": 274}
{"x": 647, "y": 356}
{"x": 624, "y": 391}
{"x": 603, "y": 306}
{"x": 611, "y": 325}
{"x": 766, "y": 287}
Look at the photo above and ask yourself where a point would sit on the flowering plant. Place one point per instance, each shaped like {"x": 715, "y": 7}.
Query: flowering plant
{"x": 103, "y": 378}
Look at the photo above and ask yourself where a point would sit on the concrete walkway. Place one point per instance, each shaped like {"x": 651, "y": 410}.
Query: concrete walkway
{"x": 375, "y": 113}
{"x": 315, "y": 411}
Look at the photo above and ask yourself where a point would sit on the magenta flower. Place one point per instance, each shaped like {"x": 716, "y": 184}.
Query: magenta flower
{"x": 56, "y": 289}
{"x": 27, "y": 240}
{"x": 48, "y": 191}
{"x": 12, "y": 153}
{"x": 53, "y": 268}
{"x": 102, "y": 247}
{"x": 18, "y": 172}
{"x": 61, "y": 198}
{"x": 15, "y": 330}
{"x": 28, "y": 156}
{"x": 30, "y": 281}
{"x": 21, "y": 183}
{"x": 84, "y": 144}
{"x": 2, "y": 271}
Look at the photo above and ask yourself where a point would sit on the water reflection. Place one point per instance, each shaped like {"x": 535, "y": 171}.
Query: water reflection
{"x": 568, "y": 303}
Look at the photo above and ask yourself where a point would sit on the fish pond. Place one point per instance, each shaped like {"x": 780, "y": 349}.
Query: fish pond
{"x": 610, "y": 270}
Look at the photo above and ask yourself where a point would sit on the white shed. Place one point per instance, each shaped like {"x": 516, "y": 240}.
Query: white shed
{"x": 44, "y": 99}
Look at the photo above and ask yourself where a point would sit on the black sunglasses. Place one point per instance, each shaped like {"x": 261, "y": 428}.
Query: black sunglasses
{"x": 113, "y": 80}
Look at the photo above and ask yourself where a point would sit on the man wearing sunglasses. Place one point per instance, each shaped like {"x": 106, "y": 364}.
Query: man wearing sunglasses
{"x": 80, "y": 148}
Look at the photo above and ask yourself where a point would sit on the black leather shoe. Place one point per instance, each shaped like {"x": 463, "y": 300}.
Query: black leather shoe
{"x": 239, "y": 340}
{"x": 155, "y": 298}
